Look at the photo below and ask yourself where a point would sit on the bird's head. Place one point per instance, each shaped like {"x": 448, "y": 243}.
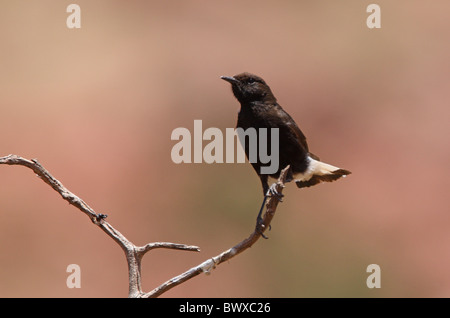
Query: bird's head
{"x": 249, "y": 88}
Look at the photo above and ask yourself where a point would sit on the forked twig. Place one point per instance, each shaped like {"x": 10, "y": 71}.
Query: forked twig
{"x": 135, "y": 253}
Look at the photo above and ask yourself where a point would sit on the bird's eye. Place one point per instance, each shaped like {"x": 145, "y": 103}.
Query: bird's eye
{"x": 251, "y": 80}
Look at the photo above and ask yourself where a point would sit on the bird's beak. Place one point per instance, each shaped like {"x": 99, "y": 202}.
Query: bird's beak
{"x": 230, "y": 79}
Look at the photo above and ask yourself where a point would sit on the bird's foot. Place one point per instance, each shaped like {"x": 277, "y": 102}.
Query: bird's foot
{"x": 272, "y": 192}
{"x": 260, "y": 226}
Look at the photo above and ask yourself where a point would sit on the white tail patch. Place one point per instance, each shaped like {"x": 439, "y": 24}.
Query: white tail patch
{"x": 317, "y": 172}
{"x": 316, "y": 167}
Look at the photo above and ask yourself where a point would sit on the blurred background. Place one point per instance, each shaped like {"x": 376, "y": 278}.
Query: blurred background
{"x": 97, "y": 106}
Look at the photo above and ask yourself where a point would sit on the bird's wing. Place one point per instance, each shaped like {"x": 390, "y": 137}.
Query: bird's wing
{"x": 285, "y": 120}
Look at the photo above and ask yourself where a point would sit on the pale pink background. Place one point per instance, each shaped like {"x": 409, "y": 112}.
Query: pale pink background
{"x": 97, "y": 106}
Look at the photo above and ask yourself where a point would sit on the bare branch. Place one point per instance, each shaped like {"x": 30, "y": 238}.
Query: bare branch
{"x": 135, "y": 253}
{"x": 48, "y": 178}
{"x": 144, "y": 249}
{"x": 132, "y": 252}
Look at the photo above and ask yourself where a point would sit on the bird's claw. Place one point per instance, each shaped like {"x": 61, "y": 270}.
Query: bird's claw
{"x": 260, "y": 226}
{"x": 272, "y": 192}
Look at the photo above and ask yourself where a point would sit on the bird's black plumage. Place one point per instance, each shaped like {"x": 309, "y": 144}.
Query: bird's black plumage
{"x": 260, "y": 109}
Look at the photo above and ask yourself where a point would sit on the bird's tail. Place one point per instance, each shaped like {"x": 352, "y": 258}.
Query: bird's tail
{"x": 317, "y": 172}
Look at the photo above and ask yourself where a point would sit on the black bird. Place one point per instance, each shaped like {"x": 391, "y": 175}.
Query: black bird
{"x": 259, "y": 109}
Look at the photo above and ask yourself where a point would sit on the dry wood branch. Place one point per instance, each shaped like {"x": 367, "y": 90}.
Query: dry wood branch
{"x": 135, "y": 253}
